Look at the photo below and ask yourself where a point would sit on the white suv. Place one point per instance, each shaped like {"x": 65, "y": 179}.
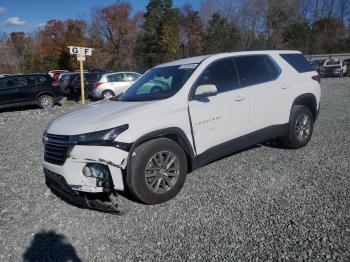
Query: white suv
{"x": 177, "y": 117}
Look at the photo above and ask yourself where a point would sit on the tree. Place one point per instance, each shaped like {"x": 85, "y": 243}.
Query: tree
{"x": 51, "y": 51}
{"x": 327, "y": 35}
{"x": 158, "y": 40}
{"x": 297, "y": 36}
{"x": 279, "y": 15}
{"x": 114, "y": 31}
{"x": 191, "y": 32}
{"x": 221, "y": 35}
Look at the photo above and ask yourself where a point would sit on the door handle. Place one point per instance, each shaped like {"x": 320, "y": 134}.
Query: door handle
{"x": 285, "y": 86}
{"x": 239, "y": 98}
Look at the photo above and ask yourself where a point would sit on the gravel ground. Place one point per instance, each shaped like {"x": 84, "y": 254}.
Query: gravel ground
{"x": 265, "y": 203}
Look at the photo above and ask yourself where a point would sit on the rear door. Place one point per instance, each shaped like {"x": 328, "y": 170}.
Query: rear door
{"x": 27, "y": 88}
{"x": 223, "y": 117}
{"x": 8, "y": 92}
{"x": 259, "y": 74}
{"x": 118, "y": 83}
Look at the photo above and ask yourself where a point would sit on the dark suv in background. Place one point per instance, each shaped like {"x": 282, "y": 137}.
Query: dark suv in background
{"x": 19, "y": 90}
{"x": 90, "y": 80}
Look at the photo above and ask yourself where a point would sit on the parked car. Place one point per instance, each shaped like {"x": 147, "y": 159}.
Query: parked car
{"x": 113, "y": 84}
{"x": 151, "y": 137}
{"x": 3, "y": 75}
{"x": 346, "y": 67}
{"x": 331, "y": 68}
{"x": 66, "y": 83}
{"x": 55, "y": 74}
{"x": 317, "y": 64}
{"x": 18, "y": 90}
{"x": 90, "y": 80}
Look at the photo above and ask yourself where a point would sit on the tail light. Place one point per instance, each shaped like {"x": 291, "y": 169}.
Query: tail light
{"x": 98, "y": 84}
{"x": 316, "y": 78}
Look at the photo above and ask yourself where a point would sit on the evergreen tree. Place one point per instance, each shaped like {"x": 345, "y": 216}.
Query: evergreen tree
{"x": 221, "y": 35}
{"x": 158, "y": 41}
{"x": 297, "y": 36}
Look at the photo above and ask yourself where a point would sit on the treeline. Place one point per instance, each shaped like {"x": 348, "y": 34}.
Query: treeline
{"x": 127, "y": 41}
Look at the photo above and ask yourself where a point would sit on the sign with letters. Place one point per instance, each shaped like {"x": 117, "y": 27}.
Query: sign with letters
{"x": 81, "y": 53}
{"x": 77, "y": 50}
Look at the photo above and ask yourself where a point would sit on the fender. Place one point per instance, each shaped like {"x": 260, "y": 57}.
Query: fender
{"x": 308, "y": 100}
{"x": 173, "y": 133}
{"x": 44, "y": 93}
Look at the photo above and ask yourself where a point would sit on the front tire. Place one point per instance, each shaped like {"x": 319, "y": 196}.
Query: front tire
{"x": 158, "y": 171}
{"x": 46, "y": 101}
{"x": 300, "y": 127}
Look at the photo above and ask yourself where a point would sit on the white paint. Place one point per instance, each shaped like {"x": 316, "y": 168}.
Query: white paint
{"x": 221, "y": 118}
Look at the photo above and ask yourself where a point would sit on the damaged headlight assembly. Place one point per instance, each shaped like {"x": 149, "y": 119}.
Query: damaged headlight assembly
{"x": 103, "y": 137}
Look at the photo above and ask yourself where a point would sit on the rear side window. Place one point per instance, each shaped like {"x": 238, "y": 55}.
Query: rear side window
{"x": 40, "y": 79}
{"x": 298, "y": 62}
{"x": 222, "y": 74}
{"x": 21, "y": 81}
{"x": 115, "y": 78}
{"x": 252, "y": 69}
{"x": 91, "y": 77}
{"x": 131, "y": 76}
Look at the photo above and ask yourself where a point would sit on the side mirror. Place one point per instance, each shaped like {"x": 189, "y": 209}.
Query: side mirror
{"x": 206, "y": 90}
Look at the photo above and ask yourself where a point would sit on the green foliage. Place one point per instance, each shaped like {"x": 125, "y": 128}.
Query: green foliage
{"x": 157, "y": 42}
{"x": 297, "y": 36}
{"x": 221, "y": 35}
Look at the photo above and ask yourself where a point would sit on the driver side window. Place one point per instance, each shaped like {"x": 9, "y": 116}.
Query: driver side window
{"x": 222, "y": 74}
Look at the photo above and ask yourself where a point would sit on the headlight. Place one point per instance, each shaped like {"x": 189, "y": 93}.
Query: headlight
{"x": 101, "y": 137}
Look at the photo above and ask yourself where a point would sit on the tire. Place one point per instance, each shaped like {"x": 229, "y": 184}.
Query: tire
{"x": 161, "y": 183}
{"x": 46, "y": 101}
{"x": 300, "y": 127}
{"x": 107, "y": 94}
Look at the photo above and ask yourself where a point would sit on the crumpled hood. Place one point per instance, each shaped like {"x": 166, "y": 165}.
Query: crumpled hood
{"x": 97, "y": 116}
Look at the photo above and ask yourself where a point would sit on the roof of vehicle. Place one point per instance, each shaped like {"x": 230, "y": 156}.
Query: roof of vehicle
{"x": 199, "y": 59}
{"x": 17, "y": 75}
{"x": 121, "y": 72}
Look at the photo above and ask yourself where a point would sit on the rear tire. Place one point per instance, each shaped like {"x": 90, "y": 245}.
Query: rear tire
{"x": 300, "y": 127}
{"x": 107, "y": 94}
{"x": 158, "y": 171}
{"x": 46, "y": 101}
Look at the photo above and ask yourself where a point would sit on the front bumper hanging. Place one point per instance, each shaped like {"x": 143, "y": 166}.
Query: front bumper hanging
{"x": 97, "y": 201}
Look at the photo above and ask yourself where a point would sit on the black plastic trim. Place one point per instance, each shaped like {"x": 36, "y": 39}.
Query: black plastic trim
{"x": 306, "y": 96}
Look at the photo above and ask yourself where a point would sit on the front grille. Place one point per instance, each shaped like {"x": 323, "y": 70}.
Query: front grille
{"x": 56, "y": 149}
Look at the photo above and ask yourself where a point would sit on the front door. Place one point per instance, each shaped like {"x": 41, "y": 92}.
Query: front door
{"x": 8, "y": 92}
{"x": 223, "y": 117}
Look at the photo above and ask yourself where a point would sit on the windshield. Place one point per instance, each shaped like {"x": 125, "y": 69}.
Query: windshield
{"x": 159, "y": 83}
{"x": 333, "y": 62}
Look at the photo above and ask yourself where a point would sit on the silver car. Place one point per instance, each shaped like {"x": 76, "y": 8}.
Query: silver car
{"x": 113, "y": 84}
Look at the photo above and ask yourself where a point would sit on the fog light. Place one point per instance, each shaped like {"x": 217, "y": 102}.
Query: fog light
{"x": 95, "y": 170}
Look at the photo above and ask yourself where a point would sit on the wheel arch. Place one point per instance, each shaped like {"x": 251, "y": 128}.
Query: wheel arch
{"x": 44, "y": 93}
{"x": 308, "y": 100}
{"x": 173, "y": 133}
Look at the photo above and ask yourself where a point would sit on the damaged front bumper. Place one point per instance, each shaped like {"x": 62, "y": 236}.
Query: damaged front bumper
{"x": 80, "y": 156}
{"x": 69, "y": 182}
{"x": 96, "y": 201}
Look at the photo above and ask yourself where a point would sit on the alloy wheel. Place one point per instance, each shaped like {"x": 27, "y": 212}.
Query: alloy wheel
{"x": 162, "y": 172}
{"x": 302, "y": 127}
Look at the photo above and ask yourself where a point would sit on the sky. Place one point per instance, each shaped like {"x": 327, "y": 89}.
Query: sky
{"x": 30, "y": 15}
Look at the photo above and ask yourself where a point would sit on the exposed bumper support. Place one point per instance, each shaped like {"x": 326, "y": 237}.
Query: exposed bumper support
{"x": 100, "y": 201}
